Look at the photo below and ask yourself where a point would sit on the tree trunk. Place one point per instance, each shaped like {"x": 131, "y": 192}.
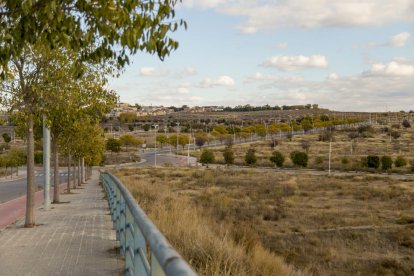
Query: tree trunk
{"x": 56, "y": 178}
{"x": 74, "y": 172}
{"x": 69, "y": 164}
{"x": 30, "y": 218}
{"x": 79, "y": 173}
{"x": 82, "y": 171}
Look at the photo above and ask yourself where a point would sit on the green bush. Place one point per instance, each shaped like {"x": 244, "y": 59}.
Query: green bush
{"x": 299, "y": 158}
{"x": 38, "y": 157}
{"x": 250, "y": 157}
{"x": 6, "y": 137}
{"x": 386, "y": 162}
{"x": 228, "y": 156}
{"x": 113, "y": 145}
{"x": 373, "y": 161}
{"x": 207, "y": 157}
{"x": 277, "y": 158}
{"x": 400, "y": 162}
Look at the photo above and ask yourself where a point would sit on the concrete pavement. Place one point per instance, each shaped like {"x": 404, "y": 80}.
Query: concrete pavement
{"x": 75, "y": 238}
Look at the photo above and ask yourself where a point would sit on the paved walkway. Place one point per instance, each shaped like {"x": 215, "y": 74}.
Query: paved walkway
{"x": 74, "y": 238}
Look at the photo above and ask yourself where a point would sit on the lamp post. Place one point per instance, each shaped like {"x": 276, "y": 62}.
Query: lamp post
{"x": 155, "y": 153}
{"x": 178, "y": 133}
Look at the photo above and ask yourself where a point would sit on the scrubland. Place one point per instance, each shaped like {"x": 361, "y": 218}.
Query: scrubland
{"x": 255, "y": 222}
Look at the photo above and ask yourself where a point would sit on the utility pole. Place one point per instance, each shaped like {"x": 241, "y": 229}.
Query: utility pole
{"x": 46, "y": 165}
{"x": 178, "y": 133}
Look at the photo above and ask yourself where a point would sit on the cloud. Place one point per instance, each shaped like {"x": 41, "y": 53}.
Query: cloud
{"x": 187, "y": 72}
{"x": 266, "y": 77}
{"x": 151, "y": 72}
{"x": 333, "y": 76}
{"x": 388, "y": 84}
{"x": 225, "y": 81}
{"x": 393, "y": 69}
{"x": 282, "y": 45}
{"x": 400, "y": 40}
{"x": 291, "y": 63}
{"x": 270, "y": 14}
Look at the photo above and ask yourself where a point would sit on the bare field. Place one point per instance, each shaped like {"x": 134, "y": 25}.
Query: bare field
{"x": 251, "y": 222}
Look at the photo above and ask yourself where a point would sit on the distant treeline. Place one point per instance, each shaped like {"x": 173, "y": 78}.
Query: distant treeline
{"x": 248, "y": 107}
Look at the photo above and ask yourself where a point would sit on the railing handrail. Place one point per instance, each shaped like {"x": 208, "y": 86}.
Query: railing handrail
{"x": 169, "y": 259}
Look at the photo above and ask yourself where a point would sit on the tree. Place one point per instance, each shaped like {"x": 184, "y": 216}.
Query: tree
{"x": 277, "y": 158}
{"x": 228, "y": 155}
{"x": 207, "y": 157}
{"x": 127, "y": 117}
{"x": 200, "y": 138}
{"x": 130, "y": 127}
{"x": 146, "y": 127}
{"x": 299, "y": 158}
{"x": 173, "y": 141}
{"x": 183, "y": 140}
{"x": 130, "y": 140}
{"x": 373, "y": 161}
{"x": 400, "y": 162}
{"x": 162, "y": 139}
{"x": 6, "y": 137}
{"x": 31, "y": 29}
{"x": 98, "y": 30}
{"x": 386, "y": 162}
{"x": 250, "y": 157}
{"x": 114, "y": 145}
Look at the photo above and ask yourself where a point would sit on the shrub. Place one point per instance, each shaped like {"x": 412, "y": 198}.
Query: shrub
{"x": 318, "y": 160}
{"x": 400, "y": 162}
{"x": 6, "y": 137}
{"x": 345, "y": 161}
{"x": 366, "y": 128}
{"x": 397, "y": 126}
{"x": 395, "y": 134}
{"x": 277, "y": 158}
{"x": 386, "y": 162}
{"x": 299, "y": 158}
{"x": 406, "y": 123}
{"x": 130, "y": 127}
{"x": 353, "y": 135}
{"x": 207, "y": 157}
{"x": 325, "y": 136}
{"x": 228, "y": 156}
{"x": 250, "y": 157}
{"x": 146, "y": 127}
{"x": 38, "y": 157}
{"x": 373, "y": 161}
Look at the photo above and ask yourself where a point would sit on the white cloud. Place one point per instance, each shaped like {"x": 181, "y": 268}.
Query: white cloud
{"x": 265, "y": 14}
{"x": 151, "y": 72}
{"x": 333, "y": 76}
{"x": 364, "y": 91}
{"x": 220, "y": 81}
{"x": 290, "y": 63}
{"x": 282, "y": 45}
{"x": 393, "y": 69}
{"x": 187, "y": 71}
{"x": 266, "y": 77}
{"x": 400, "y": 40}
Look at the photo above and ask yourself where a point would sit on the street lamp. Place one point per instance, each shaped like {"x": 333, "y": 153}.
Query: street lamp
{"x": 178, "y": 133}
{"x": 155, "y": 153}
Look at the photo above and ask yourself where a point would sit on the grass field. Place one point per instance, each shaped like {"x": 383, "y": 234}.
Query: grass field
{"x": 342, "y": 156}
{"x": 252, "y": 222}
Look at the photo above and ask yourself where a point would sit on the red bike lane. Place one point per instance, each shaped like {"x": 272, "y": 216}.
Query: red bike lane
{"x": 14, "y": 209}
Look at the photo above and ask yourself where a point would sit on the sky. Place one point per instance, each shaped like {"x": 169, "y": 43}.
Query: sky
{"x": 345, "y": 55}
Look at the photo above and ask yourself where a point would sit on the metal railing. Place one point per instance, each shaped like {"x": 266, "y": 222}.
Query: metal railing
{"x": 146, "y": 250}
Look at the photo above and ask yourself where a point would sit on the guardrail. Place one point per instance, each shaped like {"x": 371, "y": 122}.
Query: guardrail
{"x": 146, "y": 250}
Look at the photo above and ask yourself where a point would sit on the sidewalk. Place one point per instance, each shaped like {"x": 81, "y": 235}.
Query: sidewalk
{"x": 73, "y": 238}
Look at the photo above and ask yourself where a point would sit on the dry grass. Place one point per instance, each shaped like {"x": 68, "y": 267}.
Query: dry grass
{"x": 250, "y": 222}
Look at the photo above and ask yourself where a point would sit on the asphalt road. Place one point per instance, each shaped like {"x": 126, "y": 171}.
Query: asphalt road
{"x": 12, "y": 189}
